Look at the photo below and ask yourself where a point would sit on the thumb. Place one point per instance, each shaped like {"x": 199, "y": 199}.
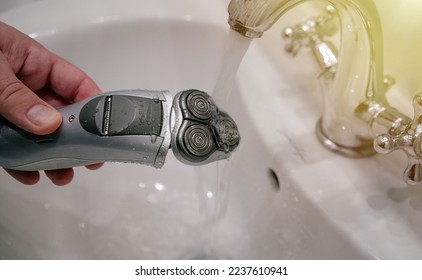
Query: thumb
{"x": 25, "y": 109}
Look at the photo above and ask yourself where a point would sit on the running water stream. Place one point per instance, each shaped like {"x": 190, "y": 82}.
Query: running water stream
{"x": 234, "y": 51}
{"x": 212, "y": 178}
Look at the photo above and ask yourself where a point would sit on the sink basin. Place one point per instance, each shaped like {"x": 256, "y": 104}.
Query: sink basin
{"x": 281, "y": 196}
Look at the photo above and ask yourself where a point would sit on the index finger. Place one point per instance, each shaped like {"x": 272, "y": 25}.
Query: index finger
{"x": 69, "y": 81}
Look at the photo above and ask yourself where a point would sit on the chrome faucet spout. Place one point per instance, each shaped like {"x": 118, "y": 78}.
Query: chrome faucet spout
{"x": 358, "y": 78}
{"x": 357, "y": 119}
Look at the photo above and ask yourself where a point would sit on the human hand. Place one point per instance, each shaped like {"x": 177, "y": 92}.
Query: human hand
{"x": 33, "y": 82}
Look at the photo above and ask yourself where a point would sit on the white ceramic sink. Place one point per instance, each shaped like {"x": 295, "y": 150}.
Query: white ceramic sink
{"x": 283, "y": 196}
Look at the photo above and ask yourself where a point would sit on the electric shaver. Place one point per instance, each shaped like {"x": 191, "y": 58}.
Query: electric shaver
{"x": 134, "y": 126}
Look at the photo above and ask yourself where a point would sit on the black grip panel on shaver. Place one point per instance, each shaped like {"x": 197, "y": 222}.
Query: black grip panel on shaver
{"x": 122, "y": 115}
{"x": 205, "y": 132}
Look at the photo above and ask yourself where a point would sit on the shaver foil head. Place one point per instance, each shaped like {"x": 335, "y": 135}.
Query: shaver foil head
{"x": 201, "y": 132}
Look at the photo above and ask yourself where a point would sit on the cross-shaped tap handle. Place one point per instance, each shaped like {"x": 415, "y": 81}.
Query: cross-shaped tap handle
{"x": 410, "y": 141}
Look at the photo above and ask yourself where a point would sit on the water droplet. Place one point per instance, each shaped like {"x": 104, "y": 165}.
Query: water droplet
{"x": 159, "y": 187}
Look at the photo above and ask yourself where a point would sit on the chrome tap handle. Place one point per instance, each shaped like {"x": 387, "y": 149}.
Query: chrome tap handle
{"x": 310, "y": 31}
{"x": 312, "y": 34}
{"x": 410, "y": 141}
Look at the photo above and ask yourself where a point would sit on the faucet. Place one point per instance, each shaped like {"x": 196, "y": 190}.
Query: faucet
{"x": 357, "y": 120}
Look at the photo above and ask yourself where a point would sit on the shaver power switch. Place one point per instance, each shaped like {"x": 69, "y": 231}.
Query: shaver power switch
{"x": 112, "y": 115}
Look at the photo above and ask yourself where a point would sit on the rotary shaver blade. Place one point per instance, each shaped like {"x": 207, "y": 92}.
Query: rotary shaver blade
{"x": 198, "y": 140}
{"x": 201, "y": 133}
{"x": 201, "y": 106}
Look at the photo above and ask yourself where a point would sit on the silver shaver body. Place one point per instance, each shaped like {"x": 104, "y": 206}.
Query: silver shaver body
{"x": 134, "y": 126}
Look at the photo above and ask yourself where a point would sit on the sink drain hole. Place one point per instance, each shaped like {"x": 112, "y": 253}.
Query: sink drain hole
{"x": 274, "y": 179}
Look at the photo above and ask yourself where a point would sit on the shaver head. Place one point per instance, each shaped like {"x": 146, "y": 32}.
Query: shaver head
{"x": 201, "y": 133}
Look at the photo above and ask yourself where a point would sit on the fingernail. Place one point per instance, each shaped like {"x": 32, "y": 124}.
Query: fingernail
{"x": 41, "y": 115}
